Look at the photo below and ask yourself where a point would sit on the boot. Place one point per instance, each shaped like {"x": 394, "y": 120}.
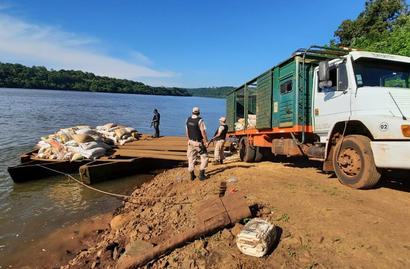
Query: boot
{"x": 192, "y": 175}
{"x": 202, "y": 175}
{"x": 221, "y": 162}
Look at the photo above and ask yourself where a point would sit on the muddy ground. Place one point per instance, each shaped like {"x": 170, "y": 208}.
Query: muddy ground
{"x": 322, "y": 224}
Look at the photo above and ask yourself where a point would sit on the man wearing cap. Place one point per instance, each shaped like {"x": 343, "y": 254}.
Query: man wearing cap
{"x": 195, "y": 132}
{"x": 219, "y": 139}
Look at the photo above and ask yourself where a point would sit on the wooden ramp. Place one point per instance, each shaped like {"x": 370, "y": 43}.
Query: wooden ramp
{"x": 166, "y": 148}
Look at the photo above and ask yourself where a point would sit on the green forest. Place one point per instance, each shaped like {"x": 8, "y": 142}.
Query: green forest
{"x": 219, "y": 92}
{"x": 38, "y": 77}
{"x": 383, "y": 26}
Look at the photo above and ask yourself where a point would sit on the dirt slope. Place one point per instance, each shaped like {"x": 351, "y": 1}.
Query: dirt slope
{"x": 323, "y": 224}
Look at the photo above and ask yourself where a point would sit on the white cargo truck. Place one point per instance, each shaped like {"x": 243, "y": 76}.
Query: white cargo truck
{"x": 349, "y": 109}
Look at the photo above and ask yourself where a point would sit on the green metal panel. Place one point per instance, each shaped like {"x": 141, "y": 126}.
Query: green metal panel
{"x": 305, "y": 92}
{"x": 230, "y": 111}
{"x": 287, "y": 93}
{"x": 264, "y": 101}
{"x": 276, "y": 94}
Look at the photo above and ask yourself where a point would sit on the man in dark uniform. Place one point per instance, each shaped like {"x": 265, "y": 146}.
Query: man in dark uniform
{"x": 219, "y": 138}
{"x": 155, "y": 122}
{"x": 195, "y": 132}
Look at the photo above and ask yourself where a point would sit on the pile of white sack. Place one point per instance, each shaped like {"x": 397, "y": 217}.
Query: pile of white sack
{"x": 240, "y": 124}
{"x": 251, "y": 121}
{"x": 84, "y": 142}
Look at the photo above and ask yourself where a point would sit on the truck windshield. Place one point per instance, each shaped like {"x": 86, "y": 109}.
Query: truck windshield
{"x": 381, "y": 73}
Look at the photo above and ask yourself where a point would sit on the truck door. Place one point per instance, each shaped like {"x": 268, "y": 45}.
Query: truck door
{"x": 286, "y": 102}
{"x": 331, "y": 104}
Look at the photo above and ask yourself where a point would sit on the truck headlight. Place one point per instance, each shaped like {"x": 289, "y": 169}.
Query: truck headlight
{"x": 405, "y": 129}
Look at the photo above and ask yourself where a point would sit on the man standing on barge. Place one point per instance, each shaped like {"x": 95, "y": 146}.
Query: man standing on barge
{"x": 197, "y": 139}
{"x": 155, "y": 122}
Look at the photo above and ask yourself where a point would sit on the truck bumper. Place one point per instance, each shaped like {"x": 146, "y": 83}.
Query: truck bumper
{"x": 391, "y": 154}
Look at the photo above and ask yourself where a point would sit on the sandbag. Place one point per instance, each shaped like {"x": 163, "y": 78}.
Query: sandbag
{"x": 129, "y": 139}
{"x": 135, "y": 135}
{"x": 93, "y": 144}
{"x": 56, "y": 145}
{"x": 85, "y": 131}
{"x": 71, "y": 143}
{"x": 83, "y": 126}
{"x": 77, "y": 156}
{"x": 88, "y": 145}
{"x": 93, "y": 153}
{"x": 109, "y": 125}
{"x": 120, "y": 132}
{"x": 64, "y": 137}
{"x": 43, "y": 144}
{"x": 256, "y": 238}
{"x": 82, "y": 138}
{"x": 129, "y": 129}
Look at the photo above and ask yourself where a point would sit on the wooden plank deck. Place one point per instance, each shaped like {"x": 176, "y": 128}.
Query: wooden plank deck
{"x": 125, "y": 159}
{"x": 166, "y": 148}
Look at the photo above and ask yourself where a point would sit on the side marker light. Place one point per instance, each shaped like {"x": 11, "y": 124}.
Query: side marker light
{"x": 405, "y": 129}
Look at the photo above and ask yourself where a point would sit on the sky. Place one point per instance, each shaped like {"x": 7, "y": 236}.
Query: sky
{"x": 167, "y": 43}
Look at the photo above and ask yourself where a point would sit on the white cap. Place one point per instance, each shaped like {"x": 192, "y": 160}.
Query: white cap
{"x": 195, "y": 110}
{"x": 222, "y": 119}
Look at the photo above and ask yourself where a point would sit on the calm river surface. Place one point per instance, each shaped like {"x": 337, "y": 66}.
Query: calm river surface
{"x": 29, "y": 211}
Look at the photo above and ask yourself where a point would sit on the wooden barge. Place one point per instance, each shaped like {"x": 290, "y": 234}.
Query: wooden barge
{"x": 128, "y": 159}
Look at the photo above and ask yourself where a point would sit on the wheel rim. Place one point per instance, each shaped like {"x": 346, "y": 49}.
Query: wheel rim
{"x": 349, "y": 161}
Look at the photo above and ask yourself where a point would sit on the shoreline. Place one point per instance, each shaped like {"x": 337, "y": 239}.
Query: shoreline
{"x": 61, "y": 245}
{"x": 307, "y": 207}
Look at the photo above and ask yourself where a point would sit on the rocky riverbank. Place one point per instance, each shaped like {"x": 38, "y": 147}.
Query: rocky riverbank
{"x": 322, "y": 223}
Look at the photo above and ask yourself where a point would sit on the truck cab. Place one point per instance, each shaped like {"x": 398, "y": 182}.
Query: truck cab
{"x": 361, "y": 112}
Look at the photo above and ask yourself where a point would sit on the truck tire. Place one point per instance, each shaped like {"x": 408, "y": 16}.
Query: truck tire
{"x": 246, "y": 151}
{"x": 262, "y": 153}
{"x": 354, "y": 163}
{"x": 258, "y": 154}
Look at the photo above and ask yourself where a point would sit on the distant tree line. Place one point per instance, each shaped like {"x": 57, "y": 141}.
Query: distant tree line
{"x": 38, "y": 77}
{"x": 384, "y": 26}
{"x": 219, "y": 92}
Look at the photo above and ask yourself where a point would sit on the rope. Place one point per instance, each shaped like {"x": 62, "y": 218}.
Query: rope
{"x": 105, "y": 192}
{"x": 85, "y": 185}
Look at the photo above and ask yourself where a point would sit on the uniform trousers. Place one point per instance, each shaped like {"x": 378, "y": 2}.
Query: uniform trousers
{"x": 192, "y": 151}
{"x": 219, "y": 150}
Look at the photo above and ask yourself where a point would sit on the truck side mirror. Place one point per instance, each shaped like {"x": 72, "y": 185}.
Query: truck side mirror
{"x": 323, "y": 71}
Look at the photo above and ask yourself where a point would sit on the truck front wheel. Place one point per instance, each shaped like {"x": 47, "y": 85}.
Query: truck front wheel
{"x": 354, "y": 163}
{"x": 246, "y": 151}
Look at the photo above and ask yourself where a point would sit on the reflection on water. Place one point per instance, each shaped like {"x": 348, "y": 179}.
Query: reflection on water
{"x": 30, "y": 210}
{"x": 63, "y": 202}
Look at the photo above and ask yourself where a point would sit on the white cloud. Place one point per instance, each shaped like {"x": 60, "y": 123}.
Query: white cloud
{"x": 43, "y": 45}
{"x": 141, "y": 58}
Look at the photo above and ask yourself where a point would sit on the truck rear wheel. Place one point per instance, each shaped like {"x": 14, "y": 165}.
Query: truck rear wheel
{"x": 246, "y": 151}
{"x": 354, "y": 163}
{"x": 262, "y": 153}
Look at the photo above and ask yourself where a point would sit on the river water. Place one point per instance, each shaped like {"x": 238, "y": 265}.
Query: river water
{"x": 31, "y": 210}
